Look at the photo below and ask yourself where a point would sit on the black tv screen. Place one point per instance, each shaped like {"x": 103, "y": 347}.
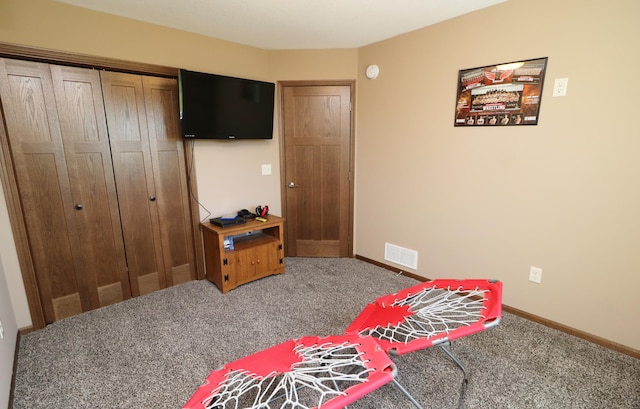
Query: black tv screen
{"x": 220, "y": 107}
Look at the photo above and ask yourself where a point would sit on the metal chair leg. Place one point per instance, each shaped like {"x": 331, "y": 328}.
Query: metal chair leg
{"x": 407, "y": 394}
{"x": 465, "y": 380}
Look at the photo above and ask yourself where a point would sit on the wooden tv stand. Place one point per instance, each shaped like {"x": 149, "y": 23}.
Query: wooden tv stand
{"x": 258, "y": 252}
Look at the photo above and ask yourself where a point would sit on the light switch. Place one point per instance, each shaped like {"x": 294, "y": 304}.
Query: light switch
{"x": 266, "y": 169}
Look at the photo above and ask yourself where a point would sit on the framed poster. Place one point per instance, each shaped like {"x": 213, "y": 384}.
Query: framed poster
{"x": 500, "y": 95}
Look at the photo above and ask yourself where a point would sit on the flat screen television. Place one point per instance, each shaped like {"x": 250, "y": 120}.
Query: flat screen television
{"x": 220, "y": 107}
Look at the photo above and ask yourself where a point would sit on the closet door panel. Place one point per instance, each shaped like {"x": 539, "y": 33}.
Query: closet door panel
{"x": 169, "y": 170}
{"x": 34, "y": 136}
{"x": 136, "y": 215}
{"x": 86, "y": 144}
{"x": 126, "y": 118}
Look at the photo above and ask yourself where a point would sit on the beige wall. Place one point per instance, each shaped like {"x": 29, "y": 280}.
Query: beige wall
{"x": 7, "y": 319}
{"x": 339, "y": 64}
{"x": 473, "y": 202}
{"x": 491, "y": 202}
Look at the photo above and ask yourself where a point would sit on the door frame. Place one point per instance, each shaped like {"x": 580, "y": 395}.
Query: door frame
{"x": 9, "y": 181}
{"x": 283, "y": 184}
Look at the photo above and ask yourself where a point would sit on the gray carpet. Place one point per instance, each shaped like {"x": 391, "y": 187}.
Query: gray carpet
{"x": 154, "y": 351}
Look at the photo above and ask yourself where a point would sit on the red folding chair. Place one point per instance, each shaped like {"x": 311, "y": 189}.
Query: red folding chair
{"x": 334, "y": 371}
{"x": 309, "y": 372}
{"x": 431, "y": 313}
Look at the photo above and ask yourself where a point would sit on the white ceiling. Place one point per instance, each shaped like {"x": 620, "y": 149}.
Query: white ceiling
{"x": 291, "y": 24}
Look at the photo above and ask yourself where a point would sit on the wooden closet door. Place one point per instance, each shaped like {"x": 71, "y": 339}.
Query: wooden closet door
{"x": 56, "y": 131}
{"x": 149, "y": 165}
{"x": 170, "y": 178}
{"x": 78, "y": 94}
{"x": 126, "y": 115}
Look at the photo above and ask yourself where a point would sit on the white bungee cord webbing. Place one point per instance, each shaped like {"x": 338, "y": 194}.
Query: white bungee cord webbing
{"x": 324, "y": 372}
{"x": 435, "y": 311}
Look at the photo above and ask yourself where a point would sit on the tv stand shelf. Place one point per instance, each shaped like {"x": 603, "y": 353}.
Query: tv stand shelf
{"x": 258, "y": 252}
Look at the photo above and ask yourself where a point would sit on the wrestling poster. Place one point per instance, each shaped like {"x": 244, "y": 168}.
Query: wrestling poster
{"x": 499, "y": 95}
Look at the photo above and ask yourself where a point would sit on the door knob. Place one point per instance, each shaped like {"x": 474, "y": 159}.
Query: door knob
{"x": 79, "y": 207}
{"x": 152, "y": 198}
{"x": 291, "y": 184}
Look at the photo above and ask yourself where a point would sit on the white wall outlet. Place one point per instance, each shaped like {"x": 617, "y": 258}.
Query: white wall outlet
{"x": 535, "y": 275}
{"x": 1, "y": 330}
{"x": 266, "y": 169}
{"x": 560, "y": 87}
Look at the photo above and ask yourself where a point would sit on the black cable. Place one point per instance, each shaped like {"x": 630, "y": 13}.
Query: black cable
{"x": 193, "y": 195}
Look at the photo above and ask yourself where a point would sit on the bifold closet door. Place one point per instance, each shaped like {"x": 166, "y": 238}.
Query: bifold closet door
{"x": 57, "y": 133}
{"x": 148, "y": 163}
{"x": 170, "y": 178}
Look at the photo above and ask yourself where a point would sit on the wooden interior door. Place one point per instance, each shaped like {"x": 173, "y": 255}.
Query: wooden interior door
{"x": 126, "y": 114}
{"x": 149, "y": 165}
{"x": 83, "y": 127}
{"x": 57, "y": 135}
{"x": 317, "y": 140}
{"x": 170, "y": 178}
